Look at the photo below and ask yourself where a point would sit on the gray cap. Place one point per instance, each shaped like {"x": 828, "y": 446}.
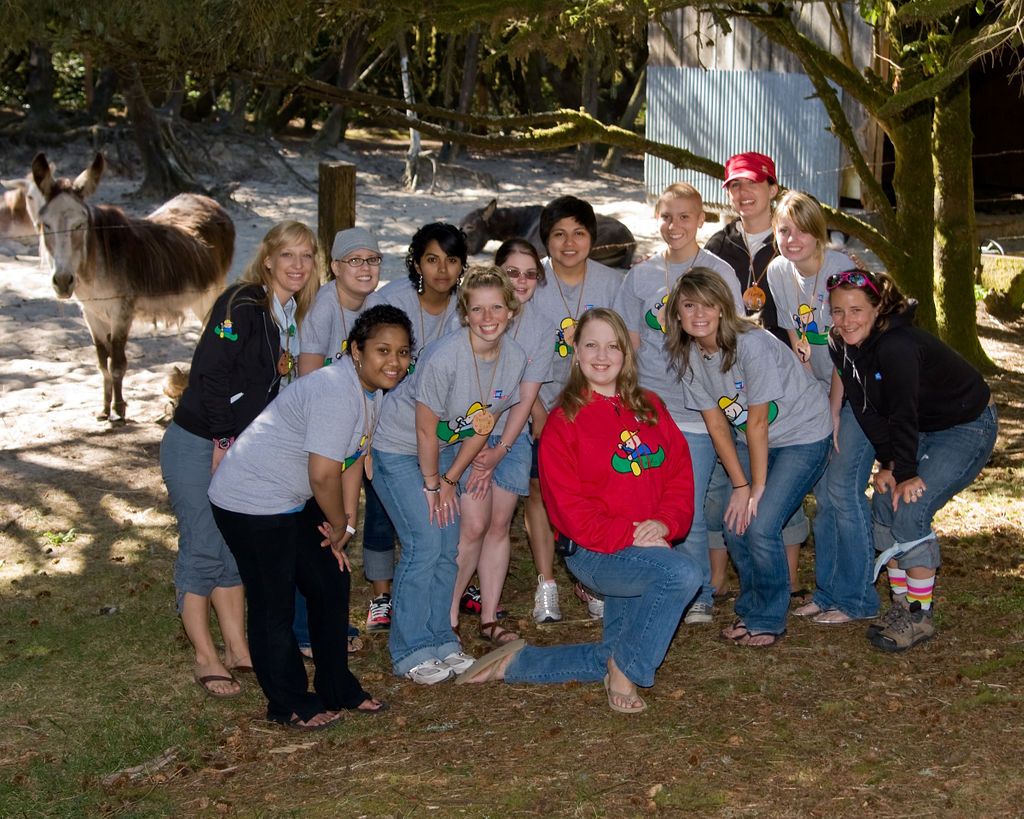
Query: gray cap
{"x": 357, "y": 238}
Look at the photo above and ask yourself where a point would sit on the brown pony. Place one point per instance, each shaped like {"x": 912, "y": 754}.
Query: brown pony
{"x": 119, "y": 267}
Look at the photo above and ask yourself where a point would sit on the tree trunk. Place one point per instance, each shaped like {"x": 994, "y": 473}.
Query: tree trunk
{"x": 588, "y": 92}
{"x": 39, "y": 88}
{"x": 914, "y": 187}
{"x": 410, "y": 177}
{"x": 450, "y": 152}
{"x": 103, "y": 95}
{"x": 165, "y": 176}
{"x": 956, "y": 241}
{"x": 636, "y": 101}
{"x": 333, "y": 129}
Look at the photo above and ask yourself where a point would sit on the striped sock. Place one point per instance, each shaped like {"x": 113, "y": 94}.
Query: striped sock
{"x": 920, "y": 589}
{"x": 897, "y": 581}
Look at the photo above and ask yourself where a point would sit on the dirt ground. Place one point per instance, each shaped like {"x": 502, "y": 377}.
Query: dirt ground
{"x": 820, "y": 726}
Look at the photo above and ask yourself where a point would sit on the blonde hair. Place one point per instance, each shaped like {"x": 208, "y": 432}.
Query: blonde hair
{"x": 678, "y": 190}
{"x": 577, "y": 394}
{"x": 485, "y": 275}
{"x": 804, "y": 211}
{"x": 279, "y": 236}
{"x": 706, "y": 287}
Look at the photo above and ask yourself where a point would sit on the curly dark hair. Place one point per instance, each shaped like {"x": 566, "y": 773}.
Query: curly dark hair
{"x": 366, "y": 325}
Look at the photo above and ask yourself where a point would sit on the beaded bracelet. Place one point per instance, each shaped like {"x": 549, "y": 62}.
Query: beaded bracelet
{"x": 507, "y": 447}
{"x": 448, "y": 481}
{"x": 433, "y": 491}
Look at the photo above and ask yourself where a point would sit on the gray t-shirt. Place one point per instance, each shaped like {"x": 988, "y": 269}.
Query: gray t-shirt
{"x": 327, "y": 325}
{"x": 804, "y": 306}
{"x": 445, "y": 381}
{"x": 641, "y": 301}
{"x": 426, "y": 327}
{"x": 560, "y": 309}
{"x": 266, "y": 471}
{"x": 531, "y": 331}
{"x": 765, "y": 372}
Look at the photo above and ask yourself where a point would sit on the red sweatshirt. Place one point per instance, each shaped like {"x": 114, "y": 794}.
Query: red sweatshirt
{"x": 604, "y": 472}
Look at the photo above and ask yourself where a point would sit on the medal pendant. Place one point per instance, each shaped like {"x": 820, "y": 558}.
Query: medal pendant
{"x": 754, "y": 297}
{"x": 368, "y": 466}
{"x": 285, "y": 363}
{"x": 569, "y": 333}
{"x": 483, "y": 422}
{"x": 659, "y": 314}
{"x": 803, "y": 349}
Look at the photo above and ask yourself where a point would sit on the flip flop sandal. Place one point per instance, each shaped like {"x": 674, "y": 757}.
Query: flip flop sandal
{"x": 358, "y": 709}
{"x": 629, "y": 697}
{"x": 355, "y": 644}
{"x": 737, "y": 631}
{"x": 832, "y": 617}
{"x": 485, "y": 664}
{"x": 746, "y": 640}
{"x": 204, "y": 683}
{"x": 295, "y": 724}
{"x": 811, "y": 609}
{"x": 242, "y": 669}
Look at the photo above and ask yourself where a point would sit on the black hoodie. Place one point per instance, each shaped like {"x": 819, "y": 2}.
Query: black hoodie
{"x": 234, "y": 368}
{"x": 904, "y": 381}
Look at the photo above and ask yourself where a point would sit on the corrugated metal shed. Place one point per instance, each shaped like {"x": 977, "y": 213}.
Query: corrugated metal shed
{"x": 717, "y": 95}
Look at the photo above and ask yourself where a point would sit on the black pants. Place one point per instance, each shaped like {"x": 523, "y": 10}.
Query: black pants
{"x": 277, "y": 554}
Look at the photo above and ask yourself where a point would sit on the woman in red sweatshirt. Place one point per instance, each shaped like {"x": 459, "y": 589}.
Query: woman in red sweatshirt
{"x": 617, "y": 480}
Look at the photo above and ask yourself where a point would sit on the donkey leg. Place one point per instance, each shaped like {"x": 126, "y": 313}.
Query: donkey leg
{"x": 118, "y": 366}
{"x": 103, "y": 365}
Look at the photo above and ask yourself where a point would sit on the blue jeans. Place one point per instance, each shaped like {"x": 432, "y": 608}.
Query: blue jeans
{"x": 378, "y": 537}
{"x": 421, "y": 629}
{"x": 695, "y": 547}
{"x": 795, "y": 532}
{"x": 844, "y": 547}
{"x": 947, "y": 461}
{"x": 759, "y": 553}
{"x": 646, "y": 590}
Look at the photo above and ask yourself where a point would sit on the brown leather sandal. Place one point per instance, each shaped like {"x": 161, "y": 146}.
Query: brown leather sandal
{"x": 495, "y": 634}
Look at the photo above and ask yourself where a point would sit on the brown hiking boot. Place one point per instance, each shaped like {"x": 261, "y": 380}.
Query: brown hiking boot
{"x": 911, "y": 627}
{"x": 896, "y": 610}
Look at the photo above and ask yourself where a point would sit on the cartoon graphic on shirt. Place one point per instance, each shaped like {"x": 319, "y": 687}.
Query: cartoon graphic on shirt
{"x": 458, "y": 429}
{"x": 328, "y": 360}
{"x": 633, "y": 455}
{"x": 655, "y": 317}
{"x": 351, "y": 459}
{"x": 807, "y": 327}
{"x": 224, "y": 330}
{"x": 564, "y": 337}
{"x": 736, "y": 413}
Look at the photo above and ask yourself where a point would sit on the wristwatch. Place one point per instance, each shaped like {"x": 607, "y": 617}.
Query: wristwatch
{"x": 224, "y": 443}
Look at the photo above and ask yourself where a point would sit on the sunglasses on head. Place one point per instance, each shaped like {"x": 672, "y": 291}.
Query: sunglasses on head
{"x": 856, "y": 278}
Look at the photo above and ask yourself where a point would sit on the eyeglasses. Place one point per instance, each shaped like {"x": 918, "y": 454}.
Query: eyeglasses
{"x": 357, "y": 261}
{"x": 858, "y": 278}
{"x": 516, "y": 273}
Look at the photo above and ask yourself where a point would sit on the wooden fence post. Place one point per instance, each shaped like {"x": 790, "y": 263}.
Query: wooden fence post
{"x": 336, "y": 203}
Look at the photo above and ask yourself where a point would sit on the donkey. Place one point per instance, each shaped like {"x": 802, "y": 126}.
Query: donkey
{"x": 118, "y": 266}
{"x": 19, "y": 212}
{"x": 614, "y": 246}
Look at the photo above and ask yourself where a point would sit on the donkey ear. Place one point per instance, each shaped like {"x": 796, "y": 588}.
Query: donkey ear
{"x": 488, "y": 211}
{"x": 89, "y": 179}
{"x": 42, "y": 174}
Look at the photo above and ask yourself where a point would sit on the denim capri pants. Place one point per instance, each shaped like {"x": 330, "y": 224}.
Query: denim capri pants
{"x": 204, "y": 561}
{"x": 513, "y": 471}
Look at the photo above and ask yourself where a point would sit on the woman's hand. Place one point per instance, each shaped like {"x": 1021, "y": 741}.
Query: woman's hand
{"x": 884, "y": 482}
{"x": 482, "y": 470}
{"x": 218, "y": 456}
{"x": 742, "y": 506}
{"x": 908, "y": 491}
{"x": 443, "y": 506}
{"x": 337, "y": 539}
{"x": 650, "y": 533}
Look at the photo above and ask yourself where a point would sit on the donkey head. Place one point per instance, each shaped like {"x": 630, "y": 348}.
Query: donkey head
{"x": 64, "y": 219}
{"x": 475, "y": 226}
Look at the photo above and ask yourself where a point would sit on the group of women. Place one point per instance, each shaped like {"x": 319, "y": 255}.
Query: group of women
{"x": 702, "y": 409}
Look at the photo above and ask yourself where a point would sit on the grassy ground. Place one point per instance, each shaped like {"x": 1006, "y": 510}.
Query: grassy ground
{"x": 96, "y": 679}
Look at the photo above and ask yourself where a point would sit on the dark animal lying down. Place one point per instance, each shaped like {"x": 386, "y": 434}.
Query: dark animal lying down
{"x": 614, "y": 246}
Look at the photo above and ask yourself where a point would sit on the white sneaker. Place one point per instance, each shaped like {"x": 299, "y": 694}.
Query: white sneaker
{"x": 459, "y": 661}
{"x": 595, "y": 604}
{"x": 430, "y": 672}
{"x": 545, "y": 602}
{"x": 699, "y": 613}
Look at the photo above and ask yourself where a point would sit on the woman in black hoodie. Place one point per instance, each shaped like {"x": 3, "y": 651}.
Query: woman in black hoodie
{"x": 930, "y": 417}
